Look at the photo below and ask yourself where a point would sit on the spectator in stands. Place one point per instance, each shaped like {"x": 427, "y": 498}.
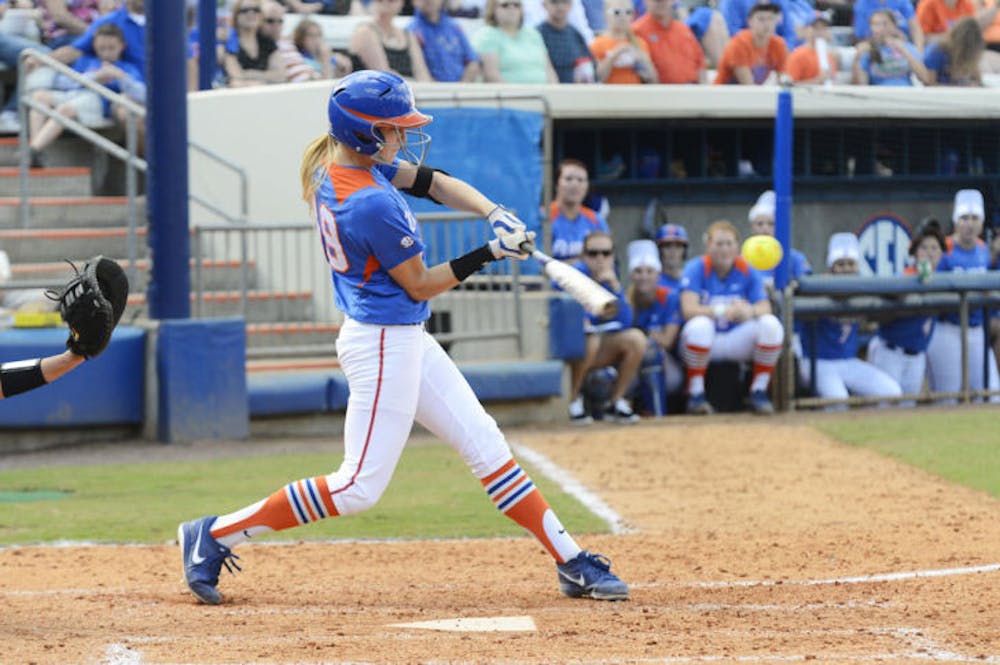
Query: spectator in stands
{"x": 955, "y": 59}
{"x": 673, "y": 48}
{"x": 297, "y": 69}
{"x": 380, "y": 44}
{"x": 72, "y": 100}
{"x": 334, "y": 7}
{"x": 906, "y": 19}
{"x": 887, "y": 58}
{"x": 15, "y": 38}
{"x": 706, "y": 24}
{"x": 804, "y": 65}
{"x": 447, "y": 51}
{"x": 465, "y": 8}
{"x": 937, "y": 16}
{"x": 900, "y": 347}
{"x": 792, "y": 17}
{"x": 657, "y": 312}
{"x": 610, "y": 342}
{"x": 310, "y": 44}
{"x": 727, "y": 317}
{"x": 251, "y": 57}
{"x": 833, "y": 342}
{"x": 568, "y": 51}
{"x": 761, "y": 218}
{"x": 535, "y": 13}
{"x": 131, "y": 18}
{"x": 622, "y": 56}
{"x": 754, "y": 56}
{"x": 572, "y": 222}
{"x": 965, "y": 252}
{"x": 672, "y": 243}
{"x": 511, "y": 52}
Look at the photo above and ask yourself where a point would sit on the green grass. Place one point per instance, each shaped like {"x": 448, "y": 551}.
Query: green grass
{"x": 963, "y": 447}
{"x": 432, "y": 495}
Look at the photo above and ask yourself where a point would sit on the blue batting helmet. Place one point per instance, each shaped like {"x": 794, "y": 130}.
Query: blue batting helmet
{"x": 671, "y": 233}
{"x": 367, "y": 99}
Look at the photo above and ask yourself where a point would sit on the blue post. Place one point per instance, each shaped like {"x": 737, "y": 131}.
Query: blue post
{"x": 169, "y": 288}
{"x": 784, "y": 124}
{"x": 207, "y": 21}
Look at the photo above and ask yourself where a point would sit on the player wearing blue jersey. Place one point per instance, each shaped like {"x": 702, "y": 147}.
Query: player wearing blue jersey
{"x": 610, "y": 342}
{"x": 965, "y": 252}
{"x": 572, "y": 221}
{"x": 657, "y": 312}
{"x": 672, "y": 242}
{"x": 900, "y": 347}
{"x": 728, "y": 317}
{"x": 833, "y": 342}
{"x": 761, "y": 218}
{"x": 397, "y": 372}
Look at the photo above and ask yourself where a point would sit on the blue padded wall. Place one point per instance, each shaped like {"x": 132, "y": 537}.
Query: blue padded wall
{"x": 107, "y": 390}
{"x": 566, "y": 338}
{"x": 201, "y": 369}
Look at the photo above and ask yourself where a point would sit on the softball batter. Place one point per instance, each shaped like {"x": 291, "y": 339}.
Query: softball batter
{"x": 396, "y": 371}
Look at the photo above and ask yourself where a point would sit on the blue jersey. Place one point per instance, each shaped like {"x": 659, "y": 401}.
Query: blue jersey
{"x": 134, "y": 32}
{"x": 672, "y": 283}
{"x": 742, "y": 282}
{"x": 912, "y": 334}
{"x": 568, "y": 235}
{"x": 367, "y": 229}
{"x": 836, "y": 339}
{"x": 799, "y": 265}
{"x": 957, "y": 259}
{"x": 665, "y": 311}
{"x": 621, "y": 320}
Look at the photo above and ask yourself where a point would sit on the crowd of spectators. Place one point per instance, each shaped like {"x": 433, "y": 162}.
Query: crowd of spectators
{"x": 682, "y": 314}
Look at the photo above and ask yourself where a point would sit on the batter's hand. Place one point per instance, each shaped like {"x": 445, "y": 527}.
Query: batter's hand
{"x": 508, "y": 246}
{"x": 504, "y": 222}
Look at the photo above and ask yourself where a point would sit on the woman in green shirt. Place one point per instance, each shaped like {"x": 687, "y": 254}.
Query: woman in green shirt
{"x": 511, "y": 51}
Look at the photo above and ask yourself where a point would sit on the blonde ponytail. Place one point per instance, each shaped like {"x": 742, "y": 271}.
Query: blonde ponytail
{"x": 318, "y": 153}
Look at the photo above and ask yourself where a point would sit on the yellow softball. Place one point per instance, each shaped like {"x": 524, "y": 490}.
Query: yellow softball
{"x": 763, "y": 252}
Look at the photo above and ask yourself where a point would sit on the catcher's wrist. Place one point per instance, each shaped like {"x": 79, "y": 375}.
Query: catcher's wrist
{"x": 21, "y": 376}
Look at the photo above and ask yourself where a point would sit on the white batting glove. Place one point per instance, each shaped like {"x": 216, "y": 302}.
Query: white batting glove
{"x": 504, "y": 222}
{"x": 508, "y": 246}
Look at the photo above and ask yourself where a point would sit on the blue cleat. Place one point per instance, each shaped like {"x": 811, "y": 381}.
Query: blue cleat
{"x": 760, "y": 403}
{"x": 203, "y": 558}
{"x": 589, "y": 576}
{"x": 699, "y": 405}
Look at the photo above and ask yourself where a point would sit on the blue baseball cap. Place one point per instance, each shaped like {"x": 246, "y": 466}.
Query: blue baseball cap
{"x": 671, "y": 233}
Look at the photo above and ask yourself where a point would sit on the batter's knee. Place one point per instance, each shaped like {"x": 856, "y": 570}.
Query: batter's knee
{"x": 698, "y": 331}
{"x": 355, "y": 497}
{"x": 769, "y": 330}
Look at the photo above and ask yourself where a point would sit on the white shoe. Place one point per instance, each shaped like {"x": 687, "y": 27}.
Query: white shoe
{"x": 9, "y": 122}
{"x": 578, "y": 413}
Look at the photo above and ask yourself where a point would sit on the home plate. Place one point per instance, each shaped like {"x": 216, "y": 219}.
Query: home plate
{"x": 475, "y": 624}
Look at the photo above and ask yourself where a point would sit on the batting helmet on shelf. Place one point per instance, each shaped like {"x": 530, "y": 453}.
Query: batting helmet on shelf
{"x": 366, "y": 102}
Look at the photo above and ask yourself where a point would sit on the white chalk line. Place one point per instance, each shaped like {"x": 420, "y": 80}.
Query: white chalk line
{"x": 121, "y": 654}
{"x": 857, "y": 579}
{"x": 570, "y": 485}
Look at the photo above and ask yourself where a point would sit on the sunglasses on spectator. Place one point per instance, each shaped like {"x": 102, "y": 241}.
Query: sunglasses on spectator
{"x": 622, "y": 12}
{"x": 274, "y": 21}
{"x": 594, "y": 253}
{"x": 508, "y": 5}
{"x": 249, "y": 10}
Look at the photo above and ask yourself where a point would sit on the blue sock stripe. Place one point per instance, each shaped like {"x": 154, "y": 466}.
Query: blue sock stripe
{"x": 314, "y": 497}
{"x": 492, "y": 489}
{"x": 513, "y": 497}
{"x": 296, "y": 505}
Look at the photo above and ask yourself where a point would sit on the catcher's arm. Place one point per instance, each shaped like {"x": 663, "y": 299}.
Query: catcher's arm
{"x": 24, "y": 375}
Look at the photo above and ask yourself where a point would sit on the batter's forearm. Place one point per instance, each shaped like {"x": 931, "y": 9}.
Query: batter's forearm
{"x": 459, "y": 195}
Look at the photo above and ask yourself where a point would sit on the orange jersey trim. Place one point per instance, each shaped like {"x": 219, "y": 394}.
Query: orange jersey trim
{"x": 347, "y": 181}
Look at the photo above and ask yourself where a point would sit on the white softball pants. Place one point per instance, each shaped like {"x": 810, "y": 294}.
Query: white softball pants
{"x": 907, "y": 370}
{"x": 738, "y": 342}
{"x": 944, "y": 359}
{"x": 849, "y": 376}
{"x": 398, "y": 374}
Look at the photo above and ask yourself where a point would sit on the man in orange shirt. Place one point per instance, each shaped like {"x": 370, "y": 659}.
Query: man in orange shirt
{"x": 673, "y": 48}
{"x": 755, "y": 55}
{"x": 803, "y": 64}
{"x": 937, "y": 16}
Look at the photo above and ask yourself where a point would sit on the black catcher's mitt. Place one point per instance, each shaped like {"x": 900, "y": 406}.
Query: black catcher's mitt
{"x": 91, "y": 304}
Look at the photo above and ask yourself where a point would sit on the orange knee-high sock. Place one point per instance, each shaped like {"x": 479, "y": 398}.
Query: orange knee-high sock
{"x": 512, "y": 492}
{"x": 296, "y": 503}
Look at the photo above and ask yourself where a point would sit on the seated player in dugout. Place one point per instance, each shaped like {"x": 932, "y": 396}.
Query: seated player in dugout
{"x": 761, "y": 218}
{"x": 672, "y": 243}
{"x": 571, "y": 220}
{"x": 610, "y": 342}
{"x": 727, "y": 317}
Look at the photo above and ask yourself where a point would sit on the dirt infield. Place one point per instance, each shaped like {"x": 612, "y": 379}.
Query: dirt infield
{"x": 757, "y": 541}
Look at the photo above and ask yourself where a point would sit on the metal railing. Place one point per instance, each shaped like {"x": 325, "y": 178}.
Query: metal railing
{"x": 821, "y": 296}
{"x": 287, "y": 259}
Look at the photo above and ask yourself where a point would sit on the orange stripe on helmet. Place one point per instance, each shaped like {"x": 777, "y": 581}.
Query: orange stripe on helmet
{"x": 409, "y": 120}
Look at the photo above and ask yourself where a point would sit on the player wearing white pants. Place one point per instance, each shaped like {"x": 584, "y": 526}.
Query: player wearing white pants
{"x": 966, "y": 252}
{"x": 728, "y": 318}
{"x": 905, "y": 366}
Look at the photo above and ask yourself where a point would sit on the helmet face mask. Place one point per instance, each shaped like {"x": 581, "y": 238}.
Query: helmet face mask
{"x": 370, "y": 111}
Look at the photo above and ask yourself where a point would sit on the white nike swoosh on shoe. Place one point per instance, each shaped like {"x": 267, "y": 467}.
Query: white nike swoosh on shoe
{"x": 196, "y": 557}
{"x": 578, "y": 582}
